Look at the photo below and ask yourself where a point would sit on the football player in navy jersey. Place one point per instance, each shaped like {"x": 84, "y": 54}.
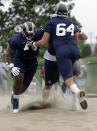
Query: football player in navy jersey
{"x": 22, "y": 59}
{"x": 51, "y": 71}
{"x": 61, "y": 31}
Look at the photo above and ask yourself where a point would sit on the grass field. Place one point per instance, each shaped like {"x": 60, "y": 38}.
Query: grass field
{"x": 91, "y": 81}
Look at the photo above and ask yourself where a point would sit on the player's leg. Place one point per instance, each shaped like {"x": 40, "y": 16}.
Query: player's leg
{"x": 23, "y": 80}
{"x": 75, "y": 99}
{"x": 64, "y": 89}
{"x": 29, "y": 76}
{"x": 51, "y": 77}
{"x": 77, "y": 72}
{"x": 75, "y": 103}
{"x": 17, "y": 90}
{"x": 66, "y": 70}
{"x": 17, "y": 85}
{"x": 80, "y": 95}
{"x": 21, "y": 83}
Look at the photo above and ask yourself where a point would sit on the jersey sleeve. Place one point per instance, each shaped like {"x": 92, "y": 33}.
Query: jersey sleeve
{"x": 77, "y": 28}
{"x": 12, "y": 43}
{"x": 48, "y": 27}
{"x": 38, "y": 34}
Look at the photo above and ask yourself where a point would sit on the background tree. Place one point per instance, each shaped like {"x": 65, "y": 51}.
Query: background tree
{"x": 37, "y": 10}
{"x": 33, "y": 10}
{"x": 95, "y": 49}
{"x": 86, "y": 50}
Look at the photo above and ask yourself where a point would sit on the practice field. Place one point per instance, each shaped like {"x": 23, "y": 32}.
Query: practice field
{"x": 55, "y": 115}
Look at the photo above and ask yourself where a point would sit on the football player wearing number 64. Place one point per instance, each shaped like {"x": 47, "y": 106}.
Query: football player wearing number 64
{"x": 61, "y": 32}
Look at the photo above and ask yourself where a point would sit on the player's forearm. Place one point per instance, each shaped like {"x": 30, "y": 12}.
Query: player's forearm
{"x": 40, "y": 43}
{"x": 77, "y": 37}
{"x": 43, "y": 41}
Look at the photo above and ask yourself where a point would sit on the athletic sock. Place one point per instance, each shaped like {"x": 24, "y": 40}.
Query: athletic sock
{"x": 74, "y": 89}
{"x": 15, "y": 96}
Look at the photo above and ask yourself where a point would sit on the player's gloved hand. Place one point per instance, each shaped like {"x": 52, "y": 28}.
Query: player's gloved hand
{"x": 34, "y": 47}
{"x": 14, "y": 70}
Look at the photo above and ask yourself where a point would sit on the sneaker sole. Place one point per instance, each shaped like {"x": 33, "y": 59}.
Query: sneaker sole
{"x": 83, "y": 102}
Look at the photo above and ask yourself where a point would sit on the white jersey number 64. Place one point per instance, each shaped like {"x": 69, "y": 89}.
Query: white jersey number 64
{"x": 61, "y": 29}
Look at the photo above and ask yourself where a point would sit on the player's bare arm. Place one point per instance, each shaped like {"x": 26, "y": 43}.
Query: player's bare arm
{"x": 77, "y": 37}
{"x": 43, "y": 41}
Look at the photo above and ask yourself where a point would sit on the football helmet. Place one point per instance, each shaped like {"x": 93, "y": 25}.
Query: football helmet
{"x": 28, "y": 30}
{"x": 62, "y": 9}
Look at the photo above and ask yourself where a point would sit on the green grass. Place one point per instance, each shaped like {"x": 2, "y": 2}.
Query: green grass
{"x": 91, "y": 81}
{"x": 90, "y": 59}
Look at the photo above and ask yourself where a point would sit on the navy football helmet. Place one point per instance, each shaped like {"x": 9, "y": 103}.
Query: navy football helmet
{"x": 62, "y": 9}
{"x": 28, "y": 29}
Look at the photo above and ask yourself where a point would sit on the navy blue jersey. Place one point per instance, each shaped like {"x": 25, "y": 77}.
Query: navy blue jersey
{"x": 78, "y": 28}
{"x": 50, "y": 48}
{"x": 61, "y": 30}
{"x": 38, "y": 34}
{"x": 23, "y": 49}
